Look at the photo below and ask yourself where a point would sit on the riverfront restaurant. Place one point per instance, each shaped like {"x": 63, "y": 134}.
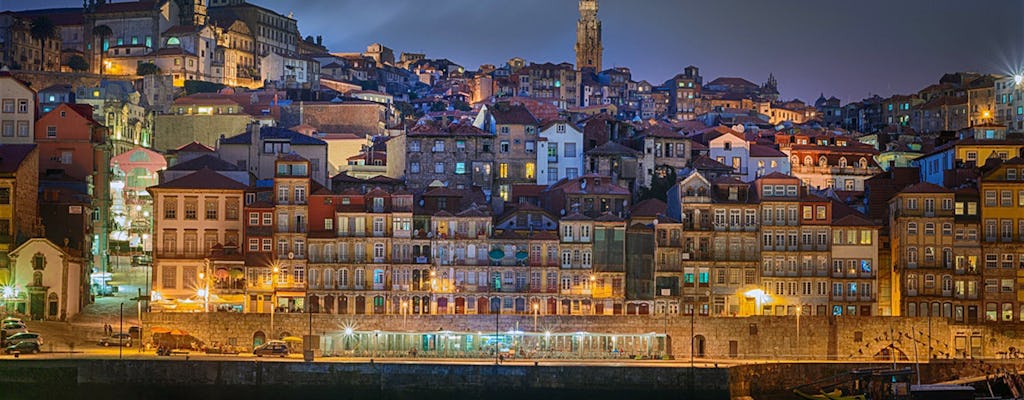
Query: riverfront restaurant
{"x": 511, "y": 344}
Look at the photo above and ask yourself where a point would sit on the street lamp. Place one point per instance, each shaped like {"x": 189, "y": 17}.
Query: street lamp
{"x": 405, "y": 303}
{"x": 536, "y": 311}
{"x": 799, "y": 310}
{"x": 273, "y": 291}
{"x": 204, "y": 292}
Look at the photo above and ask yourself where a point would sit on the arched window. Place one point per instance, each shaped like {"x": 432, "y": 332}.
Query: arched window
{"x": 822, "y": 162}
{"x": 808, "y": 161}
{"x": 795, "y": 160}
{"x": 329, "y": 278}
{"x": 863, "y": 163}
{"x": 842, "y": 162}
{"x": 911, "y": 254}
{"x": 173, "y": 41}
{"x": 37, "y": 278}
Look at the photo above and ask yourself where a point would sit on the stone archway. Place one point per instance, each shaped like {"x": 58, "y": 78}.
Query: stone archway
{"x": 258, "y": 338}
{"x": 699, "y": 346}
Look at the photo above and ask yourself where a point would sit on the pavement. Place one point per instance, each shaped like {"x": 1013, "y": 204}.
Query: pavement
{"x": 85, "y": 329}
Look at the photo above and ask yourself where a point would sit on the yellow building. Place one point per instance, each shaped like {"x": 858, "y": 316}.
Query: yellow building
{"x": 197, "y": 227}
{"x": 1002, "y": 222}
{"x": 921, "y": 232}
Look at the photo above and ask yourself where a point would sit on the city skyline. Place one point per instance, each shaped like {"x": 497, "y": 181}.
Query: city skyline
{"x": 793, "y": 52}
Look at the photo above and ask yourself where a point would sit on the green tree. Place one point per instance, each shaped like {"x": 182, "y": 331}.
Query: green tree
{"x": 77, "y": 63}
{"x": 461, "y": 105}
{"x": 42, "y": 29}
{"x": 147, "y": 69}
{"x": 438, "y": 106}
{"x": 662, "y": 179}
{"x": 103, "y": 32}
{"x": 405, "y": 110}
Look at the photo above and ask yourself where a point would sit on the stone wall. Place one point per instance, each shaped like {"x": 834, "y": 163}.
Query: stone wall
{"x": 228, "y": 379}
{"x": 820, "y": 338}
{"x": 41, "y": 80}
{"x": 173, "y": 131}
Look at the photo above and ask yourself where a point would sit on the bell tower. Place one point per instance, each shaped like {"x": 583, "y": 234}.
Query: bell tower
{"x": 588, "y": 37}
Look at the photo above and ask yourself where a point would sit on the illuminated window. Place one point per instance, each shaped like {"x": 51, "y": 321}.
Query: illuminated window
{"x": 503, "y": 170}
{"x": 531, "y": 170}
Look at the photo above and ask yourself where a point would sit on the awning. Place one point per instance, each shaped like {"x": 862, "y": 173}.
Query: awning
{"x": 160, "y": 329}
{"x": 221, "y": 273}
{"x": 237, "y": 273}
{"x": 291, "y": 294}
{"x": 497, "y": 254}
{"x": 522, "y": 255}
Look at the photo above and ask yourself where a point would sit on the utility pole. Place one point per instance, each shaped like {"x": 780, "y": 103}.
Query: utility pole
{"x": 120, "y": 335}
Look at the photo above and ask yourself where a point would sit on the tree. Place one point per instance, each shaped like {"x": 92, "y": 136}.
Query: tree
{"x": 438, "y": 106}
{"x": 42, "y": 29}
{"x": 103, "y": 32}
{"x": 662, "y": 179}
{"x": 461, "y": 105}
{"x": 78, "y": 64}
{"x": 405, "y": 110}
{"x": 147, "y": 69}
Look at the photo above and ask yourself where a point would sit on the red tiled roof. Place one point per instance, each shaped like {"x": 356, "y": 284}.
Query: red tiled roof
{"x": 194, "y": 147}
{"x": 512, "y": 114}
{"x": 648, "y": 208}
{"x": 760, "y": 150}
{"x": 730, "y": 81}
{"x": 925, "y": 187}
{"x": 203, "y": 179}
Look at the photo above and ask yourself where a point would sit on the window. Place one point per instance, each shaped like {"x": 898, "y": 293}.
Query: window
{"x": 1006, "y": 198}
{"x": 414, "y": 145}
{"x": 51, "y": 131}
{"x": 503, "y": 170}
{"x": 570, "y": 150}
{"x": 531, "y": 146}
{"x": 821, "y": 212}
{"x": 414, "y": 168}
{"x": 191, "y": 208}
{"x": 808, "y": 212}
{"x": 460, "y": 168}
{"x": 912, "y": 228}
{"x": 211, "y": 208}
{"x": 929, "y": 229}
{"x": 438, "y": 146}
{"x": 912, "y": 204}
{"x": 268, "y": 219}
{"x": 503, "y": 146}
{"x": 531, "y": 170}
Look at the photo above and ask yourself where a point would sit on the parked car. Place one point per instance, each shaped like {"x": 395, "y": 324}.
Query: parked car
{"x": 117, "y": 339}
{"x": 24, "y": 337}
{"x": 272, "y": 348}
{"x": 22, "y": 347}
{"x": 11, "y": 319}
{"x": 11, "y": 328}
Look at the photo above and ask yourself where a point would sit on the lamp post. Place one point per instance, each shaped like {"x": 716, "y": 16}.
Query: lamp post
{"x": 205, "y": 292}
{"x": 799, "y": 310}
{"x": 536, "y": 311}
{"x": 405, "y": 313}
{"x": 273, "y": 292}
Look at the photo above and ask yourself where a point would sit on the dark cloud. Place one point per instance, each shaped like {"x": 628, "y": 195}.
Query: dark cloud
{"x": 849, "y": 49}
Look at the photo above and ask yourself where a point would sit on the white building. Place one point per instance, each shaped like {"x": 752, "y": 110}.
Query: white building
{"x": 290, "y": 71}
{"x": 748, "y": 160}
{"x": 559, "y": 152}
{"x": 17, "y": 111}
{"x": 48, "y": 283}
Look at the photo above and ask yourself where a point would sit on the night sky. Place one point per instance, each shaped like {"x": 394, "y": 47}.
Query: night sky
{"x": 849, "y": 49}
